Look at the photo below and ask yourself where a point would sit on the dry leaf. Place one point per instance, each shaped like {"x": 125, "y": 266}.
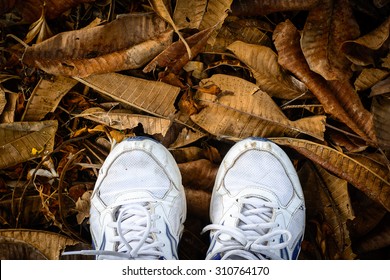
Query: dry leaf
{"x": 329, "y": 25}
{"x": 22, "y": 141}
{"x": 369, "y": 77}
{"x": 261, "y": 7}
{"x": 345, "y": 105}
{"x": 242, "y": 110}
{"x": 198, "y": 203}
{"x": 186, "y": 137}
{"x": 46, "y": 97}
{"x": 381, "y": 111}
{"x": 378, "y": 239}
{"x": 155, "y": 98}
{"x": 215, "y": 14}
{"x": 13, "y": 249}
{"x": 269, "y": 76}
{"x": 50, "y": 244}
{"x": 3, "y": 100}
{"x": 83, "y": 205}
{"x": 362, "y": 177}
{"x": 160, "y": 8}
{"x": 6, "y": 5}
{"x": 128, "y": 42}
{"x": 189, "y": 14}
{"x": 175, "y": 56}
{"x": 361, "y": 51}
{"x": 8, "y": 113}
{"x": 39, "y": 29}
{"x": 122, "y": 120}
{"x": 381, "y": 87}
{"x": 199, "y": 174}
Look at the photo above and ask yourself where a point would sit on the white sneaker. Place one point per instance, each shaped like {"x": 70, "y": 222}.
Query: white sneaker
{"x": 138, "y": 205}
{"x": 257, "y": 207}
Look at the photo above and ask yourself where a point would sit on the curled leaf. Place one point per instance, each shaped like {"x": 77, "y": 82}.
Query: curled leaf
{"x": 362, "y": 177}
{"x": 328, "y": 25}
{"x": 199, "y": 174}
{"x": 270, "y": 77}
{"x": 381, "y": 112}
{"x": 128, "y": 42}
{"x": 189, "y": 14}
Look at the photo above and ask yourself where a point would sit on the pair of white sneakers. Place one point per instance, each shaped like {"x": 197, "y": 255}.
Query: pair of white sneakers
{"x": 138, "y": 206}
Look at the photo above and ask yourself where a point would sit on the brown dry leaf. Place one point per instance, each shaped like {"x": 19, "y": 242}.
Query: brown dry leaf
{"x": 269, "y": 76}
{"x": 22, "y": 141}
{"x": 39, "y": 29}
{"x": 369, "y": 77}
{"x": 381, "y": 111}
{"x": 328, "y": 25}
{"x": 83, "y": 205}
{"x": 128, "y": 42}
{"x": 183, "y": 155}
{"x": 160, "y": 8}
{"x": 46, "y": 97}
{"x": 3, "y": 100}
{"x": 13, "y": 249}
{"x": 381, "y": 87}
{"x": 155, "y": 98}
{"x": 242, "y": 110}
{"x": 345, "y": 167}
{"x": 361, "y": 51}
{"x": 6, "y": 5}
{"x": 345, "y": 105}
{"x": 122, "y": 120}
{"x": 215, "y": 14}
{"x": 378, "y": 239}
{"x": 199, "y": 174}
{"x": 50, "y": 244}
{"x": 8, "y": 113}
{"x": 198, "y": 203}
{"x": 189, "y": 14}
{"x": 327, "y": 196}
{"x": 186, "y": 137}
{"x": 386, "y": 61}
{"x": 261, "y": 7}
{"x": 175, "y": 56}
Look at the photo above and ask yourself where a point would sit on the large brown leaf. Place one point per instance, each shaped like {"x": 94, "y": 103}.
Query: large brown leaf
{"x": 128, "y": 42}
{"x": 337, "y": 97}
{"x": 361, "y": 51}
{"x": 241, "y": 110}
{"x": 22, "y": 141}
{"x": 327, "y": 26}
{"x": 3, "y": 100}
{"x": 46, "y": 97}
{"x": 199, "y": 174}
{"x": 263, "y": 7}
{"x": 270, "y": 77}
{"x": 155, "y": 98}
{"x": 381, "y": 112}
{"x": 189, "y": 14}
{"x": 362, "y": 177}
{"x": 13, "y": 249}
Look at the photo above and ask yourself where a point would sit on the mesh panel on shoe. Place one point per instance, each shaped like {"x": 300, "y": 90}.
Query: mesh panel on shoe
{"x": 259, "y": 168}
{"x": 135, "y": 170}
{"x": 296, "y": 224}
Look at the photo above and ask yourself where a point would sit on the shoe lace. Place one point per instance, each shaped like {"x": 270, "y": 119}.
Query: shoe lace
{"x": 253, "y": 236}
{"x": 134, "y": 239}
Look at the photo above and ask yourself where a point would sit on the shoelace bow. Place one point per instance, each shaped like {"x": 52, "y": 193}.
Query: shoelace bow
{"x": 252, "y": 237}
{"x": 134, "y": 240}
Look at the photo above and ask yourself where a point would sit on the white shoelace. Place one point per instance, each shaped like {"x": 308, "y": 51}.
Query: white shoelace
{"x": 252, "y": 237}
{"x": 134, "y": 239}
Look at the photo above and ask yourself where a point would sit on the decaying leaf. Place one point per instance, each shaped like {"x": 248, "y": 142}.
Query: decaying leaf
{"x": 13, "y": 249}
{"x": 198, "y": 174}
{"x": 83, "y": 205}
{"x": 122, "y": 120}
{"x": 345, "y": 105}
{"x": 46, "y": 97}
{"x": 242, "y": 110}
{"x": 361, "y": 51}
{"x": 198, "y": 202}
{"x": 39, "y": 29}
{"x": 362, "y": 177}
{"x": 50, "y": 244}
{"x": 378, "y": 239}
{"x": 175, "y": 56}
{"x": 269, "y": 76}
{"x": 381, "y": 87}
{"x": 328, "y": 25}
{"x": 128, "y": 42}
{"x": 22, "y": 141}
{"x": 186, "y": 136}
{"x": 381, "y": 111}
{"x": 327, "y": 196}
{"x": 155, "y": 98}
{"x": 8, "y": 113}
{"x": 189, "y": 14}
{"x": 369, "y": 77}
{"x": 161, "y": 9}
{"x": 261, "y": 7}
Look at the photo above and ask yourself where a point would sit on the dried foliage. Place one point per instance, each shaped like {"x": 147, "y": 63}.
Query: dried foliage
{"x": 79, "y": 76}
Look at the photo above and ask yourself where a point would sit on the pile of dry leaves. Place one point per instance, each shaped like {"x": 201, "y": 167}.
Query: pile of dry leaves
{"x": 78, "y": 76}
